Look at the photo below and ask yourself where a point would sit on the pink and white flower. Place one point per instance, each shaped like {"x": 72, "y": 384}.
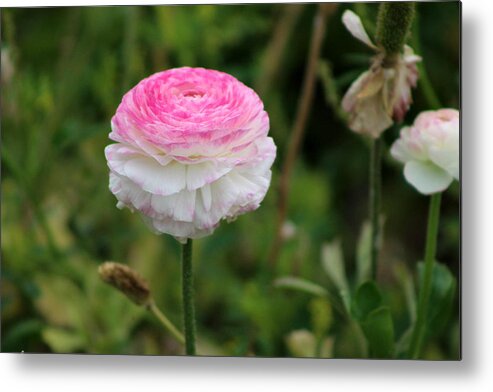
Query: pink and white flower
{"x": 192, "y": 149}
{"x": 381, "y": 95}
{"x": 430, "y": 150}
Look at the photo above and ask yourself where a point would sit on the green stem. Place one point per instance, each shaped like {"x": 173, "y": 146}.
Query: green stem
{"x": 187, "y": 293}
{"x": 393, "y": 25}
{"x": 425, "y": 290}
{"x": 375, "y": 200}
{"x": 166, "y": 322}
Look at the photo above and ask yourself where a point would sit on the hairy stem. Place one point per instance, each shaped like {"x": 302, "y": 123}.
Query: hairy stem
{"x": 393, "y": 25}
{"x": 187, "y": 294}
{"x": 425, "y": 289}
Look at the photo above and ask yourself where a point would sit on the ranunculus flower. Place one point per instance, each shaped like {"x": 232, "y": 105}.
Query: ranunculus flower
{"x": 430, "y": 150}
{"x": 381, "y": 95}
{"x": 192, "y": 149}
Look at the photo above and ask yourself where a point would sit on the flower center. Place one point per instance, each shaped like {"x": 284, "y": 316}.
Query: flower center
{"x": 193, "y": 94}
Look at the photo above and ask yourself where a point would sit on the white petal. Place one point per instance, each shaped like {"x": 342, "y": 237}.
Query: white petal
{"x": 206, "y": 197}
{"x": 409, "y": 56}
{"x": 118, "y": 154}
{"x": 203, "y": 173}
{"x": 129, "y": 193}
{"x": 266, "y": 154}
{"x": 179, "y": 206}
{"x": 155, "y": 178}
{"x": 445, "y": 151}
{"x": 446, "y": 159}
{"x": 426, "y": 177}
{"x": 180, "y": 230}
{"x": 401, "y": 150}
{"x": 355, "y": 26}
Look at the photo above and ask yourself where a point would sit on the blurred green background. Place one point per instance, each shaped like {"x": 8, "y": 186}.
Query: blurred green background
{"x": 64, "y": 71}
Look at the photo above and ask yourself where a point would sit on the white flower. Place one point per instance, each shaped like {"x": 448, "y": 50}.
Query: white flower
{"x": 381, "y": 95}
{"x": 430, "y": 150}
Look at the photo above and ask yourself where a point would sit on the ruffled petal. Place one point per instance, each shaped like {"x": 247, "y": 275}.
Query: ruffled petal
{"x": 179, "y": 206}
{"x": 155, "y": 178}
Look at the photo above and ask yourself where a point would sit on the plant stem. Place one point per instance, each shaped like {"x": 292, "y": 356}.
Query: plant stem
{"x": 375, "y": 201}
{"x": 166, "y": 322}
{"x": 272, "y": 62}
{"x": 393, "y": 25}
{"x": 187, "y": 293}
{"x": 425, "y": 289}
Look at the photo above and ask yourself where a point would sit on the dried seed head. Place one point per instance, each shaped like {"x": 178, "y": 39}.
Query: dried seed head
{"x": 127, "y": 281}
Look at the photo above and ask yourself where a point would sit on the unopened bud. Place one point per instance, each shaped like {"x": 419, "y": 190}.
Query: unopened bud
{"x": 127, "y": 281}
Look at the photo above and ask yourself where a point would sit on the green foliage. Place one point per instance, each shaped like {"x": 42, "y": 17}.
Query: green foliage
{"x": 443, "y": 289}
{"x": 67, "y": 74}
{"x": 375, "y": 320}
{"x": 333, "y": 264}
{"x": 294, "y": 283}
{"x": 379, "y": 331}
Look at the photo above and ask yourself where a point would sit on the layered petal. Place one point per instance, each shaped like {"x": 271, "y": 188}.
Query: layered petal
{"x": 192, "y": 149}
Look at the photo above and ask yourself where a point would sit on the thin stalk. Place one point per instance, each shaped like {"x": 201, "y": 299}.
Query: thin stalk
{"x": 299, "y": 126}
{"x": 187, "y": 294}
{"x": 425, "y": 290}
{"x": 272, "y": 62}
{"x": 166, "y": 322}
{"x": 375, "y": 203}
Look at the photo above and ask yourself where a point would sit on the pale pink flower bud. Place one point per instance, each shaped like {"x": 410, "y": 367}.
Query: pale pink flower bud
{"x": 430, "y": 150}
{"x": 192, "y": 149}
{"x": 381, "y": 95}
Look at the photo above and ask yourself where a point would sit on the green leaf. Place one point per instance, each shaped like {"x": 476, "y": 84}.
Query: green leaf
{"x": 321, "y": 316}
{"x": 375, "y": 320}
{"x": 379, "y": 331}
{"x": 367, "y": 299}
{"x": 294, "y": 283}
{"x": 333, "y": 264}
{"x": 442, "y": 296}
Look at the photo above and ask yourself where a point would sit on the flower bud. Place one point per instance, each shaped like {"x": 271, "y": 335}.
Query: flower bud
{"x": 127, "y": 281}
